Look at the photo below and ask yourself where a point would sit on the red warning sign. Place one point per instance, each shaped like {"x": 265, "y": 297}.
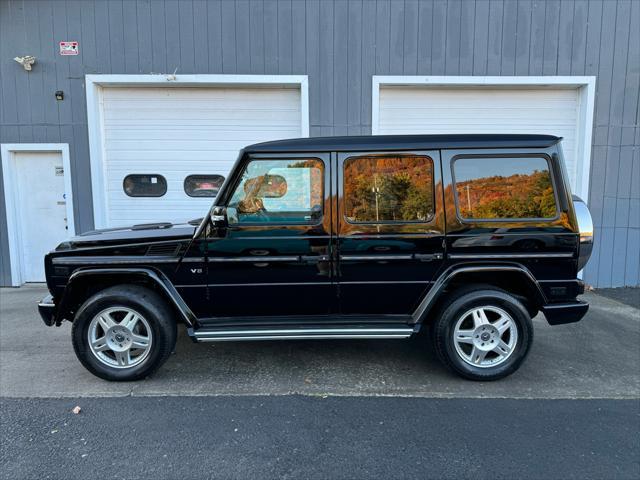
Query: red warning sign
{"x": 68, "y": 48}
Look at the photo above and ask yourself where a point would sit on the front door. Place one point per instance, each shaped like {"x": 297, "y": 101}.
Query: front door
{"x": 390, "y": 230}
{"x": 275, "y": 257}
{"x": 40, "y": 209}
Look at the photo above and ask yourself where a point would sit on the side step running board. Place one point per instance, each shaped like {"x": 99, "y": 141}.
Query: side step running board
{"x": 227, "y": 335}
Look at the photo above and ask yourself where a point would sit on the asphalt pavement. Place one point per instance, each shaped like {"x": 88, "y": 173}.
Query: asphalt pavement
{"x": 323, "y": 409}
{"x": 313, "y": 437}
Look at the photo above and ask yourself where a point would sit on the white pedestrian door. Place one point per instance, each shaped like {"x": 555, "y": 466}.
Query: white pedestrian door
{"x": 41, "y": 211}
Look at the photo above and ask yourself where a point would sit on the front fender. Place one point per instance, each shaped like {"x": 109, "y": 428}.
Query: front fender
{"x": 80, "y": 278}
{"x": 454, "y": 271}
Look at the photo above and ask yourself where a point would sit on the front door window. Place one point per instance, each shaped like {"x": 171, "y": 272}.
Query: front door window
{"x": 278, "y": 192}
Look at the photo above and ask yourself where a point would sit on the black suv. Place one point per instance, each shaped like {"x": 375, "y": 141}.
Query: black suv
{"x": 464, "y": 236}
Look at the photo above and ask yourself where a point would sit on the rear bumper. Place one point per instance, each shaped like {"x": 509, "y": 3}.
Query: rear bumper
{"x": 47, "y": 309}
{"x": 561, "y": 313}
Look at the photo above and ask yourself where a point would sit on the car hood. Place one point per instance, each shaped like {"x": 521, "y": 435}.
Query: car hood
{"x": 129, "y": 235}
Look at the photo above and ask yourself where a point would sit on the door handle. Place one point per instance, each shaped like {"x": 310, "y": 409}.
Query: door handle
{"x": 263, "y": 261}
{"x": 428, "y": 257}
{"x": 314, "y": 258}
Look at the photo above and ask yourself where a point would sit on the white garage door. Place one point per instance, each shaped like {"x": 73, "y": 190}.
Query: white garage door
{"x": 160, "y": 136}
{"x": 437, "y": 110}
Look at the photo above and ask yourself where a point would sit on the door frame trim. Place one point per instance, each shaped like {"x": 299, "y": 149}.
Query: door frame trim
{"x": 95, "y": 113}
{"x": 14, "y": 232}
{"x": 584, "y": 85}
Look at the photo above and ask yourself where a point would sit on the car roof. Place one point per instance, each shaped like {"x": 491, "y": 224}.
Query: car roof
{"x": 403, "y": 142}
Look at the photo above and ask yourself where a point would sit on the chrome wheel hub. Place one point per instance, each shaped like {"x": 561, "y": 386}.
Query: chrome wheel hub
{"x": 485, "y": 336}
{"x": 120, "y": 337}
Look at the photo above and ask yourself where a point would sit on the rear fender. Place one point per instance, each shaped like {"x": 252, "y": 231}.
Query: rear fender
{"x": 456, "y": 271}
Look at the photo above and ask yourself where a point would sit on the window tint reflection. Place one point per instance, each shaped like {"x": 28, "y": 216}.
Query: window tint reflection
{"x": 388, "y": 189}
{"x": 504, "y": 188}
{"x": 279, "y": 191}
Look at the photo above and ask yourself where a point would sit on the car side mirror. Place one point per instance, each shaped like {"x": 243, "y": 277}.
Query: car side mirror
{"x": 219, "y": 217}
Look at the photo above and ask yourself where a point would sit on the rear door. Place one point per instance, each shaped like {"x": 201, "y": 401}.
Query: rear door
{"x": 390, "y": 225}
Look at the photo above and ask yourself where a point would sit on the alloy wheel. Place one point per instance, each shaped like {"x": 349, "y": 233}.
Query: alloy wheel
{"x": 120, "y": 337}
{"x": 485, "y": 336}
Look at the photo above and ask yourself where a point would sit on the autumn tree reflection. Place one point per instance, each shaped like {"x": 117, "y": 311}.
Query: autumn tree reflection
{"x": 484, "y": 193}
{"x": 388, "y": 188}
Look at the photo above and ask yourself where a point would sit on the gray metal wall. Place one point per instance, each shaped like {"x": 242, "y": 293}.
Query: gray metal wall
{"x": 340, "y": 44}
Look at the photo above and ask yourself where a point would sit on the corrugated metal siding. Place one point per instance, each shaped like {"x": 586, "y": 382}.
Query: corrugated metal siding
{"x": 179, "y": 131}
{"x": 340, "y": 44}
{"x": 441, "y": 110}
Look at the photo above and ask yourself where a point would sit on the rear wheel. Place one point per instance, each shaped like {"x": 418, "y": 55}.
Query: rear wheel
{"x": 123, "y": 333}
{"x": 483, "y": 334}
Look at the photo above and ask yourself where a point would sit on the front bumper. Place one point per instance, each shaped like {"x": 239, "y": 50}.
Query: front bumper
{"x": 47, "y": 309}
{"x": 561, "y": 313}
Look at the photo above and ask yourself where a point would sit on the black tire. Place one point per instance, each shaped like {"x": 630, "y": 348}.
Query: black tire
{"x": 154, "y": 310}
{"x": 462, "y": 301}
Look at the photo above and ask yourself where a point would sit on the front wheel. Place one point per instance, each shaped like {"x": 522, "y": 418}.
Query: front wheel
{"x": 484, "y": 334}
{"x": 123, "y": 333}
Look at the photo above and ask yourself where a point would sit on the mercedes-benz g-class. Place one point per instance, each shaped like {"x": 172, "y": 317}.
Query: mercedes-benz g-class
{"x": 464, "y": 236}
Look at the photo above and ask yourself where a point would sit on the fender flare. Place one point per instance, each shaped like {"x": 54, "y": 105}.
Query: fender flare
{"x": 453, "y": 271}
{"x": 149, "y": 274}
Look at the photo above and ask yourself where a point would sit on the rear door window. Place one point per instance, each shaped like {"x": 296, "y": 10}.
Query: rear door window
{"x": 388, "y": 189}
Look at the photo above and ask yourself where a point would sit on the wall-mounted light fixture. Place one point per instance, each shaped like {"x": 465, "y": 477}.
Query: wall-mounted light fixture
{"x": 59, "y": 95}
{"x": 26, "y": 61}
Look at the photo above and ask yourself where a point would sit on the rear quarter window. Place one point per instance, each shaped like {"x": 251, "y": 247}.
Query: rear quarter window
{"x": 504, "y": 188}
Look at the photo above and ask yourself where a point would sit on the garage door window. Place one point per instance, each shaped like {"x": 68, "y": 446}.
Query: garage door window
{"x": 383, "y": 189}
{"x": 279, "y": 191}
{"x": 144, "y": 185}
{"x": 504, "y": 188}
{"x": 203, "y": 185}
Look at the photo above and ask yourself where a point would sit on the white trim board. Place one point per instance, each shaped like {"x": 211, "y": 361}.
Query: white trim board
{"x": 7, "y": 150}
{"x": 95, "y": 121}
{"x": 586, "y": 87}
